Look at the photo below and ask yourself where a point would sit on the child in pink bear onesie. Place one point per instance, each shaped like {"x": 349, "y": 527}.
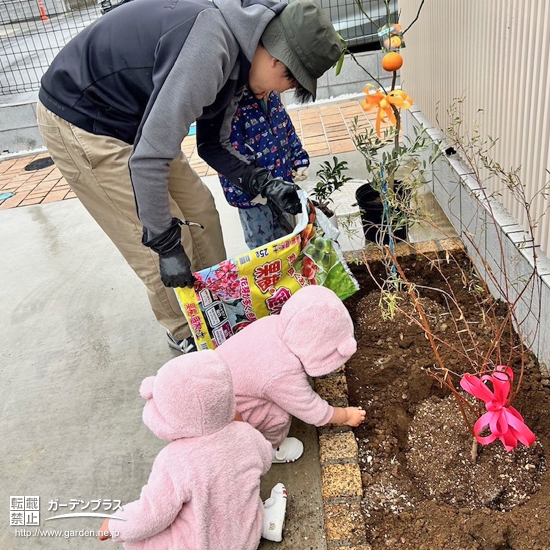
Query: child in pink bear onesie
{"x": 271, "y": 359}
{"x": 201, "y": 495}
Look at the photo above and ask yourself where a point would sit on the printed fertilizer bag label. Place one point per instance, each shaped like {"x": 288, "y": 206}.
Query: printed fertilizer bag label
{"x": 229, "y": 296}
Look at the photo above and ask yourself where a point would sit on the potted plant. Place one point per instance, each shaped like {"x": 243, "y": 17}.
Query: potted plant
{"x": 395, "y": 169}
{"x": 331, "y": 177}
{"x": 395, "y": 174}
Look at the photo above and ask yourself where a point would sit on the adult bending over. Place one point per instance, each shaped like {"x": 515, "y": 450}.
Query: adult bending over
{"x": 118, "y": 100}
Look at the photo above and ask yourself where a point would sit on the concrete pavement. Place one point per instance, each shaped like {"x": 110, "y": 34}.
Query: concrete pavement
{"x": 78, "y": 336}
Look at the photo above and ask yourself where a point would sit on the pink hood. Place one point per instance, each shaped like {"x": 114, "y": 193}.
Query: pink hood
{"x": 317, "y": 328}
{"x": 191, "y": 396}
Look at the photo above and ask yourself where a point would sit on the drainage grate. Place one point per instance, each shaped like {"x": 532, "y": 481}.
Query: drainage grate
{"x": 38, "y": 164}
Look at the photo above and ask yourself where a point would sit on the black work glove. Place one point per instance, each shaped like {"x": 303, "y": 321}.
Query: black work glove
{"x": 175, "y": 268}
{"x": 174, "y": 264}
{"x": 259, "y": 181}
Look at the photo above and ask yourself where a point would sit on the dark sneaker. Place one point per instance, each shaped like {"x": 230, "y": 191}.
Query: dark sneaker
{"x": 187, "y": 345}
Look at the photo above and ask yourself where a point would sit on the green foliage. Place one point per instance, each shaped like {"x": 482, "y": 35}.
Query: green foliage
{"x": 383, "y": 158}
{"x": 387, "y": 161}
{"x": 389, "y": 303}
{"x": 338, "y": 65}
{"x": 331, "y": 178}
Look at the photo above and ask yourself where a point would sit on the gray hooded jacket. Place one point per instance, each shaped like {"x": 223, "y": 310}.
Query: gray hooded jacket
{"x": 145, "y": 71}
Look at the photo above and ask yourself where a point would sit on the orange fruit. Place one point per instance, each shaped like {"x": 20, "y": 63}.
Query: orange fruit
{"x": 394, "y": 43}
{"x": 396, "y": 28}
{"x": 392, "y": 62}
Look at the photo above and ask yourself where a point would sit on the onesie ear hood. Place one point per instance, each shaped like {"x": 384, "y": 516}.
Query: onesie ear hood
{"x": 146, "y": 388}
{"x": 191, "y": 396}
{"x": 317, "y": 328}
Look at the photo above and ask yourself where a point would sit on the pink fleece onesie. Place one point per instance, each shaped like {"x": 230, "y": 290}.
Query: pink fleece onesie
{"x": 270, "y": 361}
{"x": 204, "y": 489}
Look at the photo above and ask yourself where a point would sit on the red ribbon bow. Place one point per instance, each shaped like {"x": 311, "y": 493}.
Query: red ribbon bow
{"x": 504, "y": 421}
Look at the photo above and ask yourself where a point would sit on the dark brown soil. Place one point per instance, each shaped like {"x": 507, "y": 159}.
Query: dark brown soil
{"x": 421, "y": 489}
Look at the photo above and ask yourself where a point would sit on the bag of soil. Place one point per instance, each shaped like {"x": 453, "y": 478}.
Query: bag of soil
{"x": 229, "y": 296}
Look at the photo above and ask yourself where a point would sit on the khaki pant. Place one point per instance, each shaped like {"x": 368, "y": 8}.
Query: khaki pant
{"x": 96, "y": 168}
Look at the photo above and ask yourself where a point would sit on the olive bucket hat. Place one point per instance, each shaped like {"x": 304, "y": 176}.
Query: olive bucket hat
{"x": 303, "y": 38}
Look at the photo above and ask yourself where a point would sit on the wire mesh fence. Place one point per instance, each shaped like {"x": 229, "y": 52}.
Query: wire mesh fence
{"x": 33, "y": 31}
{"x": 31, "y": 34}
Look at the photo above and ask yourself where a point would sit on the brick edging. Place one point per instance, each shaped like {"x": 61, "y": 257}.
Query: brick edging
{"x": 341, "y": 485}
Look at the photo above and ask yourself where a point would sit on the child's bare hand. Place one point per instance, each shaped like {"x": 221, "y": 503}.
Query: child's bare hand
{"x": 104, "y": 531}
{"x": 355, "y": 415}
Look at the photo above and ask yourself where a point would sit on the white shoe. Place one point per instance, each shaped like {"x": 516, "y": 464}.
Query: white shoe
{"x": 274, "y": 514}
{"x": 289, "y": 450}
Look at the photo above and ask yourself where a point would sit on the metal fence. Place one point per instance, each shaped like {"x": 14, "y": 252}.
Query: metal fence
{"x": 33, "y": 31}
{"x": 31, "y": 34}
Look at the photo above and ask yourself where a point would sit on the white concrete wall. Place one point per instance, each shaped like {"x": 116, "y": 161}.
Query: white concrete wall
{"x": 495, "y": 55}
